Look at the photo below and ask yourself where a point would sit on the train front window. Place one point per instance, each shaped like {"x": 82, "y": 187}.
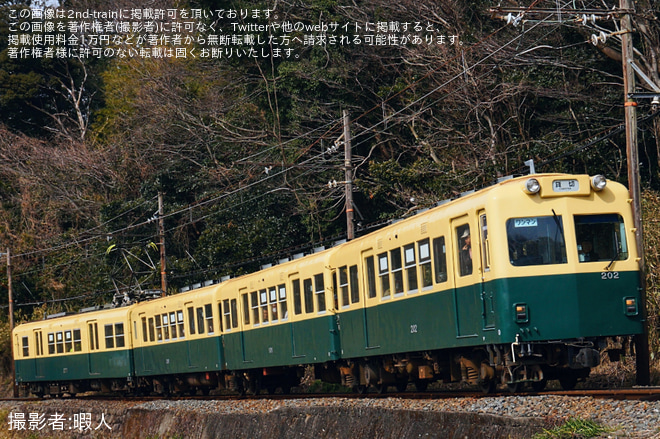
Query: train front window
{"x": 600, "y": 238}
{"x": 536, "y": 240}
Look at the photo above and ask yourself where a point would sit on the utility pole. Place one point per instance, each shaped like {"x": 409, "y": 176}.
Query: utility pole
{"x": 10, "y": 292}
{"x": 161, "y": 235}
{"x": 348, "y": 169}
{"x": 641, "y": 341}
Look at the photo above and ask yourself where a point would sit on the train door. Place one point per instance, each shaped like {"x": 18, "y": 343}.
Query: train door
{"x": 93, "y": 356}
{"x": 193, "y": 344}
{"x": 297, "y": 335}
{"x": 467, "y": 282}
{"x": 39, "y": 369}
{"x": 370, "y": 311}
{"x": 487, "y": 293}
{"x": 251, "y": 307}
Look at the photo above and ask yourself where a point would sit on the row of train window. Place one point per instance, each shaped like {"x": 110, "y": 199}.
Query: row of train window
{"x": 171, "y": 326}
{"x": 404, "y": 269}
{"x": 61, "y": 342}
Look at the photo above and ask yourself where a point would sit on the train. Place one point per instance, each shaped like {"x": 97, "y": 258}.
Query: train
{"x": 532, "y": 279}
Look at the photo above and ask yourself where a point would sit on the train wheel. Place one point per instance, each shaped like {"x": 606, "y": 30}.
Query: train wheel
{"x": 381, "y": 388}
{"x": 421, "y": 385}
{"x": 488, "y": 386}
{"x": 568, "y": 380}
{"x": 514, "y": 387}
{"x": 360, "y": 389}
{"x": 538, "y": 386}
{"x": 401, "y": 386}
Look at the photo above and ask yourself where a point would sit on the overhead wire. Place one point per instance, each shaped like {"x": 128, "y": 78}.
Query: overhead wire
{"x": 329, "y": 129}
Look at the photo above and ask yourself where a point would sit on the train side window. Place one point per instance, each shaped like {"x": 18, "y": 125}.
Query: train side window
{"x": 464, "y": 240}
{"x": 36, "y": 343}
{"x": 335, "y": 290}
{"x": 96, "y": 336}
{"x": 119, "y": 335}
{"x": 93, "y": 337}
{"x": 179, "y": 319}
{"x": 272, "y": 300}
{"x": 297, "y": 299}
{"x": 200, "y": 320}
{"x": 397, "y": 270}
{"x": 282, "y": 300}
{"x": 355, "y": 285}
{"x": 263, "y": 302}
{"x": 227, "y": 314}
{"x": 254, "y": 297}
{"x": 343, "y": 286}
{"x": 234, "y": 313}
{"x": 221, "y": 326}
{"x": 309, "y": 295}
{"x": 173, "y": 331}
{"x": 423, "y": 247}
{"x": 159, "y": 328}
{"x": 319, "y": 285}
{"x": 68, "y": 342}
{"x": 371, "y": 276}
{"x": 440, "y": 259}
{"x": 246, "y": 309}
{"x": 166, "y": 327}
{"x": 384, "y": 274}
{"x": 485, "y": 243}
{"x": 152, "y": 330}
{"x": 59, "y": 342}
{"x": 209, "y": 318}
{"x": 109, "y": 337}
{"x": 191, "y": 320}
{"x": 26, "y": 347}
{"x": 51, "y": 342}
{"x": 411, "y": 267}
{"x": 144, "y": 330}
{"x": 77, "y": 340}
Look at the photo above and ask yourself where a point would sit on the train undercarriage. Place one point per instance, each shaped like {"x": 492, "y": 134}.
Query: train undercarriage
{"x": 511, "y": 366}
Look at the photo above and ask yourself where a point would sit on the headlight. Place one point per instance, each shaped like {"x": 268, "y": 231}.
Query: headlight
{"x": 532, "y": 186}
{"x": 598, "y": 182}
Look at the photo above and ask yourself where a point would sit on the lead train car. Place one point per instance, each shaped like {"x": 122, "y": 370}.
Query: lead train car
{"x": 517, "y": 283}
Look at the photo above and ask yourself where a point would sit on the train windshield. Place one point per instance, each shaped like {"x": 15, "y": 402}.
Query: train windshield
{"x": 536, "y": 240}
{"x": 600, "y": 238}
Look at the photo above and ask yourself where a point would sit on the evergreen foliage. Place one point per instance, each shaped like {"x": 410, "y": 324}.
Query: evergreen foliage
{"x": 241, "y": 148}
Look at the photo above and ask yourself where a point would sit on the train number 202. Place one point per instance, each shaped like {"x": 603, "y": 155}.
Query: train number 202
{"x": 609, "y": 275}
{"x": 413, "y": 329}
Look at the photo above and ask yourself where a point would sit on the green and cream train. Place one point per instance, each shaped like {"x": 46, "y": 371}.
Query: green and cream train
{"x": 519, "y": 283}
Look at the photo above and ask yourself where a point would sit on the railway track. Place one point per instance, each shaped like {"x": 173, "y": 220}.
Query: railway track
{"x": 630, "y": 394}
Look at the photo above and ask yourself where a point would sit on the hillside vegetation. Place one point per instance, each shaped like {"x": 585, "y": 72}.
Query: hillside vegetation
{"x": 242, "y": 148}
